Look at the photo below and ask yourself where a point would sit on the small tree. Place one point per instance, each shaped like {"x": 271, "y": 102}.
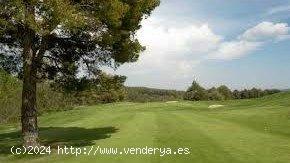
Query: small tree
{"x": 225, "y": 91}
{"x": 54, "y": 38}
{"x": 195, "y": 92}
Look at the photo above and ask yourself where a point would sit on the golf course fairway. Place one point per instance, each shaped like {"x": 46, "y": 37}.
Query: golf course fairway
{"x": 243, "y": 131}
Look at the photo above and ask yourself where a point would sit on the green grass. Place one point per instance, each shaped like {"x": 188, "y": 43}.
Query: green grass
{"x": 245, "y": 131}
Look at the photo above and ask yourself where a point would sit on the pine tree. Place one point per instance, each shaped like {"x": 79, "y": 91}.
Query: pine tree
{"x": 53, "y": 38}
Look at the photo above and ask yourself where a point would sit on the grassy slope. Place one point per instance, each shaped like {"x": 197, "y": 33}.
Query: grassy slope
{"x": 247, "y": 131}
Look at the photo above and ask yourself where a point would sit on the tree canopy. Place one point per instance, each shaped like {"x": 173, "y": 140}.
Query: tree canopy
{"x": 69, "y": 34}
{"x": 61, "y": 39}
{"x": 195, "y": 92}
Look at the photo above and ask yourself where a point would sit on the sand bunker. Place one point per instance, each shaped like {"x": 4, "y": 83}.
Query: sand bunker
{"x": 215, "y": 106}
{"x": 168, "y": 102}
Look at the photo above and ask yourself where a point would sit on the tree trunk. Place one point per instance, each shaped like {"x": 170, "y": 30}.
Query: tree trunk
{"x": 28, "y": 109}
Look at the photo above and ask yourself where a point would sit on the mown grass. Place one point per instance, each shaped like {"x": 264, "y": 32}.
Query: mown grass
{"x": 245, "y": 131}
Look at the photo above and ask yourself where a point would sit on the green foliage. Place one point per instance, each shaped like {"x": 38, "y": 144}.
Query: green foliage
{"x": 253, "y": 93}
{"x": 236, "y": 94}
{"x": 142, "y": 94}
{"x": 195, "y": 92}
{"x": 68, "y": 33}
{"x": 214, "y": 95}
{"x": 10, "y": 97}
{"x": 225, "y": 92}
{"x": 104, "y": 89}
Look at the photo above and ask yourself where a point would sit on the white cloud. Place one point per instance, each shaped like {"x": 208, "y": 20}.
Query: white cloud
{"x": 174, "y": 45}
{"x": 173, "y": 52}
{"x": 192, "y": 38}
{"x": 234, "y": 49}
{"x": 251, "y": 40}
{"x": 265, "y": 31}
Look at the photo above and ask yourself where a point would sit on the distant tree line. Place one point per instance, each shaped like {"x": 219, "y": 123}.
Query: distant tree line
{"x": 143, "y": 94}
{"x": 103, "y": 88}
{"x": 197, "y": 93}
{"x": 66, "y": 94}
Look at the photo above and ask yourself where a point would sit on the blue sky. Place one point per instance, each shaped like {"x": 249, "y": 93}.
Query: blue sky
{"x": 240, "y": 43}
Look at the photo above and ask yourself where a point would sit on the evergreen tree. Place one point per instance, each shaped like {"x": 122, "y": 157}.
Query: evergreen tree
{"x": 195, "y": 92}
{"x": 54, "y": 38}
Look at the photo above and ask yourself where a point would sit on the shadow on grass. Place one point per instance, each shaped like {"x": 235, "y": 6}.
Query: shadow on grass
{"x": 58, "y": 136}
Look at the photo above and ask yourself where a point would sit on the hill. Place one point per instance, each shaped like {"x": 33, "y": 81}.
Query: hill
{"x": 278, "y": 99}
